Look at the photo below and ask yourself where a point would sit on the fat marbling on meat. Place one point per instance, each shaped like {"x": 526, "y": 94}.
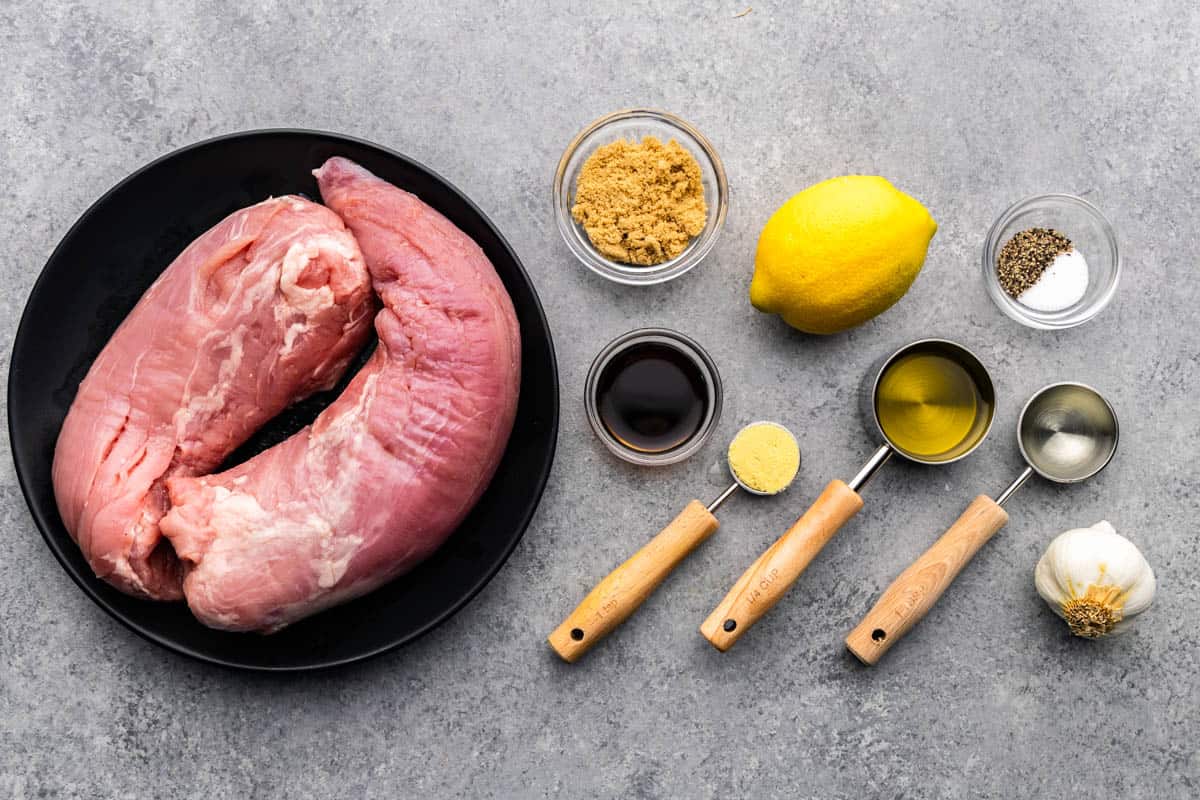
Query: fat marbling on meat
{"x": 266, "y": 307}
{"x": 385, "y": 473}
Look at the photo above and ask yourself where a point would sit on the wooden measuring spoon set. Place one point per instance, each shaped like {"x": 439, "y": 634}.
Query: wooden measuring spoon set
{"x": 931, "y": 402}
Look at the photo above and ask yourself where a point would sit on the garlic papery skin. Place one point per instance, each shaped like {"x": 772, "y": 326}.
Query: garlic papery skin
{"x": 1095, "y": 579}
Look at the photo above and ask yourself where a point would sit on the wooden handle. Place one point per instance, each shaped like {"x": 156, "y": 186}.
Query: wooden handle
{"x": 912, "y": 594}
{"x": 628, "y": 586}
{"x": 768, "y": 578}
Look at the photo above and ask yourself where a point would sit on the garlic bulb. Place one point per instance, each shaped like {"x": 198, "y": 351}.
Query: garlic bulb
{"x": 1095, "y": 579}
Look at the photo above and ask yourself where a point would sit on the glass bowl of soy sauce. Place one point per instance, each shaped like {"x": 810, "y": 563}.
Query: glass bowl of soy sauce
{"x": 653, "y": 396}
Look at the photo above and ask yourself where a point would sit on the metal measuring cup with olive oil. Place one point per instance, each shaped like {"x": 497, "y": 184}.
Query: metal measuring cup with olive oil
{"x": 929, "y": 405}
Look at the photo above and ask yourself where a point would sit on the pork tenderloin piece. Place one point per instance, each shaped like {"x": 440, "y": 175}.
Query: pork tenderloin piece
{"x": 268, "y": 306}
{"x": 389, "y": 470}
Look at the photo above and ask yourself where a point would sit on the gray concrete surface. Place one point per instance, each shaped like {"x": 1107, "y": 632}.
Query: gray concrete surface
{"x": 967, "y": 106}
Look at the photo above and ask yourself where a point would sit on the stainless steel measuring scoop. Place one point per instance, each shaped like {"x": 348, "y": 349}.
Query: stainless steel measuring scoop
{"x": 619, "y": 594}
{"x": 1067, "y": 433}
{"x": 768, "y": 579}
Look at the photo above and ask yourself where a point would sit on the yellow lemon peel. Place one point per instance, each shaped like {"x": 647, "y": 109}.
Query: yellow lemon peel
{"x": 839, "y": 253}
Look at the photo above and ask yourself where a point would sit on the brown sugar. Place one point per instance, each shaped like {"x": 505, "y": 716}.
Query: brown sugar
{"x": 640, "y": 202}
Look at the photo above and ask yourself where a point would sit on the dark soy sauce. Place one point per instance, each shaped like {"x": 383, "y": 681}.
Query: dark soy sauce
{"x": 651, "y": 397}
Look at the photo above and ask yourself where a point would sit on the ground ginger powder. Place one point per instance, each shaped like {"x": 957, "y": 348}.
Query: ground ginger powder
{"x": 640, "y": 202}
{"x": 765, "y": 457}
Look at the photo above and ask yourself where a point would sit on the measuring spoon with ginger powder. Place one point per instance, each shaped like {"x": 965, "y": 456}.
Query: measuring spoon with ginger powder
{"x": 763, "y": 459}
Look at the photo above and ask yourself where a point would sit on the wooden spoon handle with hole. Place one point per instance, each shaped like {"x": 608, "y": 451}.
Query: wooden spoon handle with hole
{"x": 768, "y": 579}
{"x": 628, "y": 586}
{"x": 914, "y": 592}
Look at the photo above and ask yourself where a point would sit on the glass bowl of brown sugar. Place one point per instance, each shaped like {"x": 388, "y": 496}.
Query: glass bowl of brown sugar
{"x": 640, "y": 196}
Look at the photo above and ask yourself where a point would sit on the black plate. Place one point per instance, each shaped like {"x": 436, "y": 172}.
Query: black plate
{"x": 116, "y": 250}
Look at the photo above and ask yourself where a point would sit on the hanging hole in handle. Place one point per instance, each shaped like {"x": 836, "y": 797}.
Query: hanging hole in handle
{"x": 878, "y": 635}
{"x": 577, "y": 634}
{"x": 730, "y": 625}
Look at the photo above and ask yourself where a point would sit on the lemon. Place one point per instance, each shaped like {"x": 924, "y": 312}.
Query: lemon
{"x": 839, "y": 253}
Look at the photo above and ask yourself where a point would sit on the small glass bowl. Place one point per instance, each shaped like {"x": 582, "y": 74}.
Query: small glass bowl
{"x": 1088, "y": 230}
{"x": 694, "y": 353}
{"x": 635, "y": 124}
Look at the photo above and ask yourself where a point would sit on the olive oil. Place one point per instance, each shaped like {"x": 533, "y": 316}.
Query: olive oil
{"x": 651, "y": 397}
{"x": 930, "y": 406}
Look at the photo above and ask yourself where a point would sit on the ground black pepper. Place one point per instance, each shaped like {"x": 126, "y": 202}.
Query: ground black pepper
{"x": 1026, "y": 256}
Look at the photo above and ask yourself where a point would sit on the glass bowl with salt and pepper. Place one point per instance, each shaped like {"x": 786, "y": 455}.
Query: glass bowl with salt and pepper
{"x": 1051, "y": 261}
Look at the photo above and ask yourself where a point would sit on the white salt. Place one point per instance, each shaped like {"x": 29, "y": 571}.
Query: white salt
{"x": 1062, "y": 285}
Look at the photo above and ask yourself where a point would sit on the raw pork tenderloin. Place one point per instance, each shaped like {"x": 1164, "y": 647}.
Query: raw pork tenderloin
{"x": 391, "y": 468}
{"x": 268, "y": 306}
